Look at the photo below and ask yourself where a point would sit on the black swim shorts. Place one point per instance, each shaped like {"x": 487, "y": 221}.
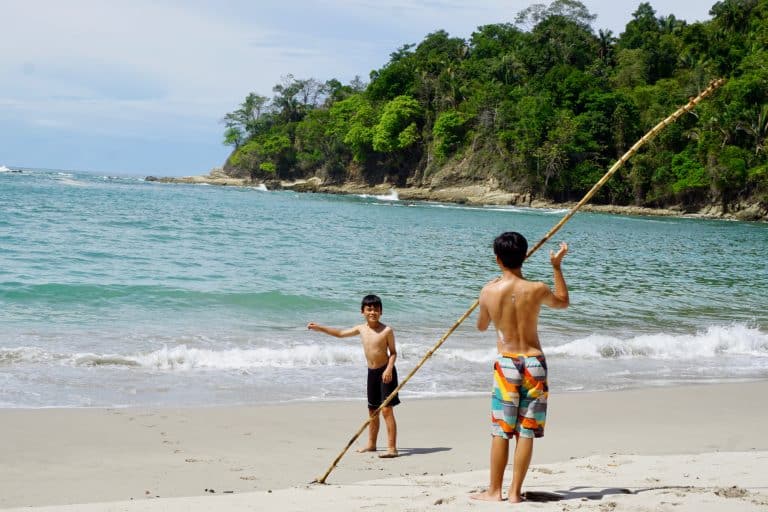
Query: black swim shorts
{"x": 378, "y": 390}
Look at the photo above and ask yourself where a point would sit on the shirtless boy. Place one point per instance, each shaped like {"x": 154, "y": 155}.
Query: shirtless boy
{"x": 380, "y": 353}
{"x": 519, "y": 400}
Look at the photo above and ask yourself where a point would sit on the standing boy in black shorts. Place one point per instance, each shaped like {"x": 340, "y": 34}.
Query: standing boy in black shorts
{"x": 379, "y": 348}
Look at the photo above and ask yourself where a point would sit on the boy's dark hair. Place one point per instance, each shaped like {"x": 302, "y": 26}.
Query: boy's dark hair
{"x": 371, "y": 300}
{"x": 511, "y": 249}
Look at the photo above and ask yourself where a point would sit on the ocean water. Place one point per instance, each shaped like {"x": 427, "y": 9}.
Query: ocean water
{"x": 120, "y": 292}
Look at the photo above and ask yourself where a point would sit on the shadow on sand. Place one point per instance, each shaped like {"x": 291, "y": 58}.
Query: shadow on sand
{"x": 575, "y": 493}
{"x": 407, "y": 452}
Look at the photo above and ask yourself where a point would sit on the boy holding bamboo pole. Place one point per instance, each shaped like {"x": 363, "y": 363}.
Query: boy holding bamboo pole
{"x": 520, "y": 390}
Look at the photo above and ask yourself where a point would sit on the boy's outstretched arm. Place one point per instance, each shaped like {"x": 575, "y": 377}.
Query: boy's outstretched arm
{"x": 332, "y": 331}
{"x": 559, "y": 299}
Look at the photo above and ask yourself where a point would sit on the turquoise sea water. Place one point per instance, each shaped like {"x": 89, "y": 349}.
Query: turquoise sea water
{"x": 115, "y": 291}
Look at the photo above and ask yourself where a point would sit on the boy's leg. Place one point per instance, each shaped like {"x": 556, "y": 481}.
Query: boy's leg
{"x": 389, "y": 420}
{"x": 531, "y": 420}
{"x": 373, "y": 433}
{"x": 499, "y": 458}
{"x": 522, "y": 459}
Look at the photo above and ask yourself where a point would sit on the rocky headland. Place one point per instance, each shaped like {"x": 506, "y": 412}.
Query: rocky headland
{"x": 473, "y": 193}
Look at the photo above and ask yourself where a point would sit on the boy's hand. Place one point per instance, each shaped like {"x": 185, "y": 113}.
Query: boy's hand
{"x": 387, "y": 376}
{"x": 312, "y": 326}
{"x": 556, "y": 259}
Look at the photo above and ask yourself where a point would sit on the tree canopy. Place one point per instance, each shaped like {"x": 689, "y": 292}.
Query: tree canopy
{"x": 544, "y": 104}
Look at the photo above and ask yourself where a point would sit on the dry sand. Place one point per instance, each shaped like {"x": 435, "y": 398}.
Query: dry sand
{"x": 673, "y": 448}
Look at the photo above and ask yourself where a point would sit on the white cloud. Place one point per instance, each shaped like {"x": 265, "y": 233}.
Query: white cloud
{"x": 173, "y": 67}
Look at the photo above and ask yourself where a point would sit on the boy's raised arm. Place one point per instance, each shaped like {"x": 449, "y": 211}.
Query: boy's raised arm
{"x": 332, "y": 331}
{"x": 559, "y": 299}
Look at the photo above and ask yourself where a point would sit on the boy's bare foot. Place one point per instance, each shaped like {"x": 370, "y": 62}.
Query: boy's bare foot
{"x": 389, "y": 454}
{"x": 486, "y": 496}
{"x": 516, "y": 499}
{"x": 366, "y": 449}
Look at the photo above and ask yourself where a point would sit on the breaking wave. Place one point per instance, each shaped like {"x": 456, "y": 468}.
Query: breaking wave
{"x": 733, "y": 340}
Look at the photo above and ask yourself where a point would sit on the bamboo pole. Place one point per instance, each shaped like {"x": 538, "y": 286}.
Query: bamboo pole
{"x": 615, "y": 167}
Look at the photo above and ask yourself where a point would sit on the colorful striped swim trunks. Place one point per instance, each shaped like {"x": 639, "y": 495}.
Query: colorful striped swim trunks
{"x": 519, "y": 401}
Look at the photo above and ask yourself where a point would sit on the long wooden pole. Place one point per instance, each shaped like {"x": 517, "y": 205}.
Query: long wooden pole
{"x": 615, "y": 167}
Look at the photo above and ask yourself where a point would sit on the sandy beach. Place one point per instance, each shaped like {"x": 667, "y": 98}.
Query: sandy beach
{"x": 680, "y": 448}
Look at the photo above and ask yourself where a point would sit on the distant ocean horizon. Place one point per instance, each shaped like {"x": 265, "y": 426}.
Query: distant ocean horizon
{"x": 117, "y": 292}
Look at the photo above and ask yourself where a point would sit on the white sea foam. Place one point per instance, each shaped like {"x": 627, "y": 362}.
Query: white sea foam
{"x": 261, "y": 187}
{"x": 67, "y": 179}
{"x": 715, "y": 341}
{"x": 392, "y": 196}
{"x": 4, "y": 169}
{"x": 526, "y": 209}
{"x": 735, "y": 339}
{"x": 470, "y": 355}
{"x": 182, "y": 357}
{"x": 496, "y": 208}
{"x": 19, "y": 355}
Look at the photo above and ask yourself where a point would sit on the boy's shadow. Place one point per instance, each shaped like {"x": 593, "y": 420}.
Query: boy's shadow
{"x": 575, "y": 494}
{"x": 407, "y": 452}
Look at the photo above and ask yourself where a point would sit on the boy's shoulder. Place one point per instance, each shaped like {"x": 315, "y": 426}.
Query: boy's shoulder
{"x": 499, "y": 286}
{"x": 379, "y": 329}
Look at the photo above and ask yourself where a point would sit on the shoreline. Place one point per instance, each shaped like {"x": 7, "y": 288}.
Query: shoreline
{"x": 468, "y": 194}
{"x": 165, "y": 459}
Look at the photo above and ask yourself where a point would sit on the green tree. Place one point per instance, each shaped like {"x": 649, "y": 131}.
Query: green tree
{"x": 352, "y": 122}
{"x": 631, "y": 68}
{"x": 558, "y": 40}
{"x": 396, "y": 78}
{"x": 313, "y": 146}
{"x": 690, "y": 182}
{"x": 728, "y": 168}
{"x": 655, "y": 36}
{"x": 449, "y": 131}
{"x": 233, "y": 136}
{"x": 248, "y": 118}
{"x": 263, "y": 155}
{"x": 397, "y": 127}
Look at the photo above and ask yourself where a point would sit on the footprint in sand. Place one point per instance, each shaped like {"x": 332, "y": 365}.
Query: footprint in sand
{"x": 731, "y": 492}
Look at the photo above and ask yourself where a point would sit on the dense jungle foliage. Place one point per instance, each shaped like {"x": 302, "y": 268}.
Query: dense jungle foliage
{"x": 543, "y": 105}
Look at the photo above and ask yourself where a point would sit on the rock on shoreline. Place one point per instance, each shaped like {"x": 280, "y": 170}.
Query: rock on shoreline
{"x": 215, "y": 177}
{"x": 476, "y": 194}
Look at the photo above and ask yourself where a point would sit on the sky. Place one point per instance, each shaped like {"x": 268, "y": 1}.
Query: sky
{"x": 140, "y": 87}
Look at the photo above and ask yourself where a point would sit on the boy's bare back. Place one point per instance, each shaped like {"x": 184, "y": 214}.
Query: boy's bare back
{"x": 513, "y": 304}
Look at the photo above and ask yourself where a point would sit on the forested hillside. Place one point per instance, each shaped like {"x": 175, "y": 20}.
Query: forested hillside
{"x": 541, "y": 105}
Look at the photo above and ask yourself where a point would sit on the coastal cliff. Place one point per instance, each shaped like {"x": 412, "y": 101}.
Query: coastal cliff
{"x": 468, "y": 192}
{"x": 530, "y": 113}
